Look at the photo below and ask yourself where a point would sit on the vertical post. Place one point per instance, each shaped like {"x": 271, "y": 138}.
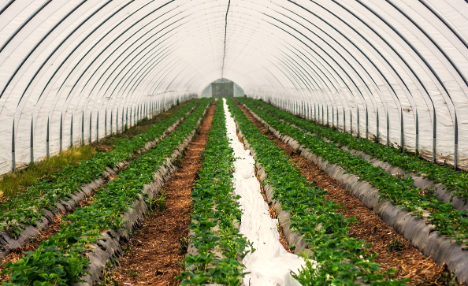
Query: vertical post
{"x": 71, "y": 131}
{"x": 47, "y": 139}
{"x": 337, "y": 118}
{"x": 61, "y": 133}
{"x": 13, "y": 156}
{"x": 111, "y": 124}
{"x": 105, "y": 123}
{"x": 434, "y": 136}
{"x": 333, "y": 116}
{"x": 344, "y": 120}
{"x": 117, "y": 121}
{"x": 97, "y": 127}
{"x": 82, "y": 129}
{"x": 90, "y": 127}
{"x": 328, "y": 121}
{"x": 126, "y": 119}
{"x": 367, "y": 123}
{"x": 358, "y": 127}
{"x": 388, "y": 129}
{"x": 31, "y": 142}
{"x": 323, "y": 117}
{"x": 417, "y": 133}
{"x": 377, "y": 136}
{"x": 351, "y": 121}
{"x": 315, "y": 113}
{"x": 455, "y": 152}
{"x": 402, "y": 135}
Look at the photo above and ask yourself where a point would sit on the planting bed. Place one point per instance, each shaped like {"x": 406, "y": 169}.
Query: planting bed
{"x": 448, "y": 185}
{"x": 30, "y": 212}
{"x": 397, "y": 191}
{"x": 216, "y": 246}
{"x": 97, "y": 228}
{"x": 154, "y": 254}
{"x": 313, "y": 223}
{"x": 392, "y": 249}
{"x": 12, "y": 246}
{"x": 270, "y": 263}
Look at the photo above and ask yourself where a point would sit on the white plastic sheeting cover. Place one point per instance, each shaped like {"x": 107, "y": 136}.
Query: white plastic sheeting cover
{"x": 392, "y": 69}
{"x": 270, "y": 264}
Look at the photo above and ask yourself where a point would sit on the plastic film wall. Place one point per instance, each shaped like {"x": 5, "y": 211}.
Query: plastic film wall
{"x": 395, "y": 71}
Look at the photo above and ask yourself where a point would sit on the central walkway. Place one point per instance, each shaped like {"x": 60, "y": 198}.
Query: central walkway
{"x": 270, "y": 264}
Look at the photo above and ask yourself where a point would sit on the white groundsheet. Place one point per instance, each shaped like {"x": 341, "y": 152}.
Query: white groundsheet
{"x": 270, "y": 264}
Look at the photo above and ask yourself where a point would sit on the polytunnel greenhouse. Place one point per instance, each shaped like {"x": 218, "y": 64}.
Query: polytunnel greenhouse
{"x": 234, "y": 142}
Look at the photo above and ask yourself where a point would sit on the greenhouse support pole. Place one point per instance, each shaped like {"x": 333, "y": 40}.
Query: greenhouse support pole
{"x": 97, "y": 127}
{"x": 47, "y": 139}
{"x": 402, "y": 135}
{"x": 344, "y": 120}
{"x": 31, "y": 143}
{"x": 328, "y": 121}
{"x": 388, "y": 130}
{"x": 455, "y": 152}
{"x": 323, "y": 117}
{"x": 13, "y": 159}
{"x": 351, "y": 121}
{"x": 105, "y": 123}
{"x": 417, "y": 133}
{"x": 367, "y": 123}
{"x": 122, "y": 123}
{"x": 117, "y": 121}
{"x": 61, "y": 133}
{"x": 71, "y": 131}
{"x": 434, "y": 136}
{"x": 110, "y": 123}
{"x": 90, "y": 127}
{"x": 315, "y": 114}
{"x": 333, "y": 116}
{"x": 377, "y": 130}
{"x": 358, "y": 127}
{"x": 126, "y": 119}
{"x": 337, "y": 118}
{"x": 82, "y": 129}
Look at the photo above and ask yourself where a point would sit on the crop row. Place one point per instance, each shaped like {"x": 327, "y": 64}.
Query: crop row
{"x": 401, "y": 192}
{"x": 341, "y": 259}
{"x": 61, "y": 260}
{"x": 215, "y": 236}
{"x": 28, "y": 207}
{"x": 454, "y": 180}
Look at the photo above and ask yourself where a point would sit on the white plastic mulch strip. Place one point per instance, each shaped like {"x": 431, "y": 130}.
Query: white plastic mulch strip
{"x": 270, "y": 264}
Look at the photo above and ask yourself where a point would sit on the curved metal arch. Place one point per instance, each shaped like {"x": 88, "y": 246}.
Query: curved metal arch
{"x": 92, "y": 62}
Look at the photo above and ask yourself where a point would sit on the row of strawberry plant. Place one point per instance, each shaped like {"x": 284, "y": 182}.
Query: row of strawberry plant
{"x": 341, "y": 259}
{"x": 455, "y": 180}
{"x": 61, "y": 260}
{"x": 29, "y": 206}
{"x": 401, "y": 192}
{"x": 215, "y": 215}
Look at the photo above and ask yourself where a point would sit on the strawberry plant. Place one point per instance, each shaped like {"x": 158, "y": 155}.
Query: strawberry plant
{"x": 341, "y": 260}
{"x": 215, "y": 213}
{"x": 455, "y": 180}
{"x": 400, "y": 191}
{"x": 61, "y": 259}
{"x": 28, "y": 207}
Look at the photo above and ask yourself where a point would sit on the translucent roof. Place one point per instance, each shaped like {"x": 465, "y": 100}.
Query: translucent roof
{"x": 395, "y": 69}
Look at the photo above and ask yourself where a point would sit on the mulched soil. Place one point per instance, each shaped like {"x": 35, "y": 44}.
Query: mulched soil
{"x": 393, "y": 250}
{"x": 34, "y": 243}
{"x": 152, "y": 256}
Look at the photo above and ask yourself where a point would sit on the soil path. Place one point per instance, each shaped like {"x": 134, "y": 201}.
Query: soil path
{"x": 393, "y": 250}
{"x": 153, "y": 255}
